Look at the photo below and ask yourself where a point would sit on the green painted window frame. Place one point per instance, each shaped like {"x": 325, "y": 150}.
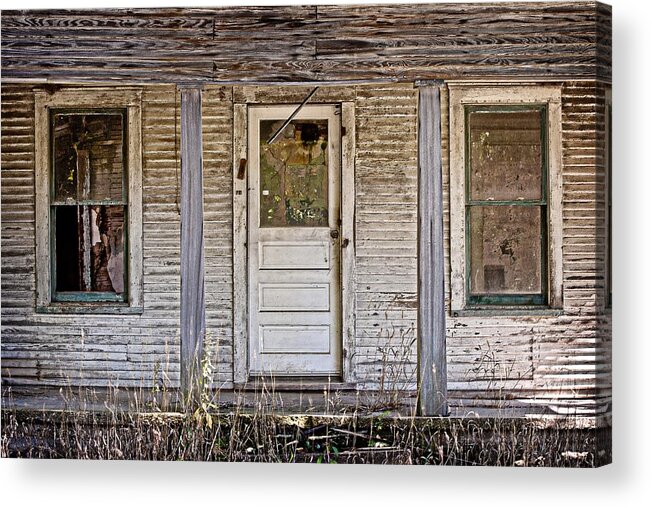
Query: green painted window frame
{"x": 90, "y": 296}
{"x": 491, "y": 300}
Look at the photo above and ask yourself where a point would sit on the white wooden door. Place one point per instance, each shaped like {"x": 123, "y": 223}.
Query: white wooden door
{"x": 293, "y": 241}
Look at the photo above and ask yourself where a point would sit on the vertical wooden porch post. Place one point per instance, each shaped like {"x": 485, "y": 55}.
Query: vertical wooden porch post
{"x": 193, "y": 314}
{"x": 432, "y": 362}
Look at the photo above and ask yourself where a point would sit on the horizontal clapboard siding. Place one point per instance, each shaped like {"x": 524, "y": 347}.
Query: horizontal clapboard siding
{"x": 123, "y": 350}
{"x": 399, "y": 42}
{"x": 18, "y": 254}
{"x": 217, "y": 110}
{"x": 494, "y": 362}
{"x": 584, "y": 179}
{"x": 386, "y": 181}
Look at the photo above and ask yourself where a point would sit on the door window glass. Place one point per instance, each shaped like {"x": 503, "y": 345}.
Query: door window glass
{"x": 294, "y": 174}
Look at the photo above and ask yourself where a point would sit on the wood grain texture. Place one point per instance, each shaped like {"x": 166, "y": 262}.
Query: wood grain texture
{"x": 432, "y": 357}
{"x": 310, "y": 43}
{"x": 192, "y": 300}
{"x": 348, "y": 253}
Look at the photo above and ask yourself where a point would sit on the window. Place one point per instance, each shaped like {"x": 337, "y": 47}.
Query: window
{"x": 88, "y": 200}
{"x": 504, "y": 221}
{"x": 506, "y": 211}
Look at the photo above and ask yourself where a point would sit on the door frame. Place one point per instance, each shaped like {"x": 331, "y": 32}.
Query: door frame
{"x": 240, "y": 238}
{"x": 296, "y": 363}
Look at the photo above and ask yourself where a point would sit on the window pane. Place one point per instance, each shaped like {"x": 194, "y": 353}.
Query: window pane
{"x": 87, "y": 157}
{"x": 505, "y": 250}
{"x": 90, "y": 245}
{"x": 294, "y": 174}
{"x": 505, "y": 155}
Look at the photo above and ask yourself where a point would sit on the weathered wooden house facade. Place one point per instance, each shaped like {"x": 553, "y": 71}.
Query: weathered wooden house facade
{"x": 433, "y": 220}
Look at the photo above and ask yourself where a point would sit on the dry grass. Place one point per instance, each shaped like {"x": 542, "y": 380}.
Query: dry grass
{"x": 145, "y": 432}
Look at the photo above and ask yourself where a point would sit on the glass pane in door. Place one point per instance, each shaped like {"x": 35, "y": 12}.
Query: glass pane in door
{"x": 294, "y": 174}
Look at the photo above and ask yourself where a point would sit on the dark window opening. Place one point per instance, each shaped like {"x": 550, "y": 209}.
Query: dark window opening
{"x": 89, "y": 206}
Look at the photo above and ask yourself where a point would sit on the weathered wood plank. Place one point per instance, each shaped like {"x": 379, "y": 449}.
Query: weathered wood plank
{"x": 401, "y": 68}
{"x": 348, "y": 252}
{"x": 342, "y": 51}
{"x": 193, "y": 314}
{"x": 135, "y": 222}
{"x": 115, "y": 19}
{"x": 432, "y": 358}
{"x": 240, "y": 252}
{"x": 310, "y": 43}
{"x": 583, "y": 124}
{"x": 117, "y": 47}
{"x": 42, "y": 199}
{"x": 291, "y": 94}
{"x": 87, "y": 70}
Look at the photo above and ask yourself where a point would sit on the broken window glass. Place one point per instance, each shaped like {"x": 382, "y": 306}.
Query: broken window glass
{"x": 506, "y": 205}
{"x": 88, "y": 157}
{"x": 294, "y": 174}
{"x": 88, "y": 205}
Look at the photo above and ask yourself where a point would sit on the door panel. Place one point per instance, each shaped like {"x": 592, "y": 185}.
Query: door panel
{"x": 294, "y": 297}
{"x": 294, "y": 250}
{"x": 304, "y": 254}
{"x": 295, "y": 339}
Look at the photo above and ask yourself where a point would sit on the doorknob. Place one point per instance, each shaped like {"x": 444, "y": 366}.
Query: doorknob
{"x": 334, "y": 233}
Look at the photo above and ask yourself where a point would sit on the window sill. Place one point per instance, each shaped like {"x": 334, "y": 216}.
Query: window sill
{"x": 91, "y": 308}
{"x": 508, "y": 311}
